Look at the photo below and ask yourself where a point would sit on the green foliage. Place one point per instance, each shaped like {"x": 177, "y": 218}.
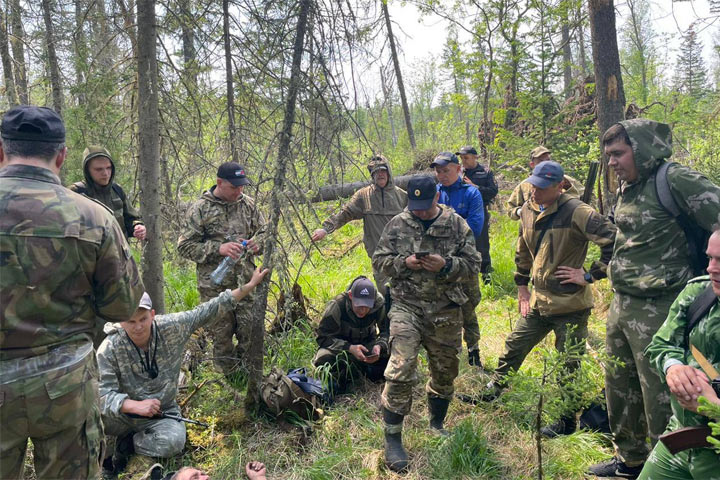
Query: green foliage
{"x": 712, "y": 410}
{"x": 465, "y": 452}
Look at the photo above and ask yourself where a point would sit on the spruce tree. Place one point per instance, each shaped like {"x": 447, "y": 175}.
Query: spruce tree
{"x": 691, "y": 73}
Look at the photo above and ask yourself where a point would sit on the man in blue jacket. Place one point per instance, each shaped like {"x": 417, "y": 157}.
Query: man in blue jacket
{"x": 467, "y": 202}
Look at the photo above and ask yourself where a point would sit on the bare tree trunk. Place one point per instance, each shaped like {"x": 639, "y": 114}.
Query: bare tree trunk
{"x": 105, "y": 47}
{"x": 7, "y": 61}
{"x": 188, "y": 42}
{"x": 567, "y": 60}
{"x": 581, "y": 43}
{"x": 255, "y": 356}
{"x": 398, "y": 75}
{"x": 230, "y": 91}
{"x": 388, "y": 103}
{"x": 17, "y": 43}
{"x": 149, "y": 151}
{"x": 80, "y": 44}
{"x": 608, "y": 82}
{"x": 55, "y": 81}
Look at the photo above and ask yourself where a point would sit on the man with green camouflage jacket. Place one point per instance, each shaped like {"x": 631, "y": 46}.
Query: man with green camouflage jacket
{"x": 375, "y": 205}
{"x": 650, "y": 265}
{"x": 670, "y": 353}
{"x": 225, "y": 223}
{"x": 99, "y": 172}
{"x": 65, "y": 262}
{"x": 428, "y": 251}
{"x": 139, "y": 363}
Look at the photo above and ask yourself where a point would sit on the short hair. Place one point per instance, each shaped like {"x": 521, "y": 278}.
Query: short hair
{"x": 615, "y": 133}
{"x": 25, "y": 148}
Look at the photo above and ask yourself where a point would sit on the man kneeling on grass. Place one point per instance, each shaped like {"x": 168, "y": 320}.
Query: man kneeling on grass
{"x": 139, "y": 364}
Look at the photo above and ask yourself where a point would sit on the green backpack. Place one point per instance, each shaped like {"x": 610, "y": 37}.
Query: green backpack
{"x": 281, "y": 394}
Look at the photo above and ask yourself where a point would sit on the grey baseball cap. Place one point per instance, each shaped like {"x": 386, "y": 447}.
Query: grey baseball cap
{"x": 145, "y": 302}
{"x": 363, "y": 293}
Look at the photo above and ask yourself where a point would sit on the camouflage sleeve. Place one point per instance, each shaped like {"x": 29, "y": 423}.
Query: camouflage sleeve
{"x": 117, "y": 286}
{"x": 515, "y": 201}
{"x": 111, "y": 399}
{"x": 352, "y": 210}
{"x": 667, "y": 343}
{"x": 465, "y": 262}
{"x": 329, "y": 329}
{"x": 601, "y": 232}
{"x": 697, "y": 196}
{"x": 384, "y": 327}
{"x": 386, "y": 257}
{"x": 192, "y": 243}
{"x": 523, "y": 260}
{"x": 185, "y": 323}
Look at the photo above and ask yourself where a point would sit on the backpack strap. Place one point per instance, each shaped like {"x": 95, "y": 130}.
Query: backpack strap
{"x": 118, "y": 189}
{"x": 698, "y": 309}
{"x": 662, "y": 189}
{"x": 80, "y": 188}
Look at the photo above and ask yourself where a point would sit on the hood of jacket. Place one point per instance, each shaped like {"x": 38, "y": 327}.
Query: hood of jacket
{"x": 651, "y": 143}
{"x": 94, "y": 151}
{"x": 377, "y": 162}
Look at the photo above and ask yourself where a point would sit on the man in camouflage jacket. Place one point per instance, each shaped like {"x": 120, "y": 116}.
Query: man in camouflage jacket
{"x": 65, "y": 262}
{"x": 139, "y": 363}
{"x": 375, "y": 204}
{"x": 669, "y": 353}
{"x": 216, "y": 228}
{"x": 348, "y": 334}
{"x": 428, "y": 251}
{"x": 650, "y": 266}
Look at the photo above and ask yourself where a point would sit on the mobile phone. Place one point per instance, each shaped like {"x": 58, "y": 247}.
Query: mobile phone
{"x": 371, "y": 357}
{"x": 421, "y": 254}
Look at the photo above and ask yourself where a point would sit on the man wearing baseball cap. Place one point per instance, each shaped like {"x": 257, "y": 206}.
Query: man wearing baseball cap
{"x": 139, "y": 363}
{"x": 353, "y": 335}
{"x": 428, "y": 251}
{"x": 523, "y": 191}
{"x": 555, "y": 229}
{"x": 225, "y": 222}
{"x": 65, "y": 264}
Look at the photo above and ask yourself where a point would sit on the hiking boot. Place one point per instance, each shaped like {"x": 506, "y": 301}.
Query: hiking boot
{"x": 564, "y": 426}
{"x": 438, "y": 407}
{"x": 124, "y": 448}
{"x": 474, "y": 358}
{"x": 615, "y": 468}
{"x": 396, "y": 458}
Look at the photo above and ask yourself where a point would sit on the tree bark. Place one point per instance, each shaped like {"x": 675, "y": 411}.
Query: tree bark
{"x": 608, "y": 82}
{"x": 17, "y": 43}
{"x": 55, "y": 79}
{"x": 398, "y": 75}
{"x": 567, "y": 60}
{"x": 7, "y": 62}
{"x": 581, "y": 43}
{"x": 230, "y": 91}
{"x": 188, "y": 42}
{"x": 80, "y": 59}
{"x": 149, "y": 151}
{"x": 284, "y": 155}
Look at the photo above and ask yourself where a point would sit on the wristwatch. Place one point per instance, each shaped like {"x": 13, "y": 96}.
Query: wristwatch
{"x": 588, "y": 278}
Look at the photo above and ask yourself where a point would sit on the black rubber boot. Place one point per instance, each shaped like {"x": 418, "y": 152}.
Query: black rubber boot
{"x": 438, "y": 407}
{"x": 123, "y": 451}
{"x": 564, "y": 426}
{"x": 396, "y": 458}
{"x": 474, "y": 358}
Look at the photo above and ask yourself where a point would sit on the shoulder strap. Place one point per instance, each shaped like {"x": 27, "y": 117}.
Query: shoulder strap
{"x": 662, "y": 189}
{"x": 698, "y": 309}
{"x": 118, "y": 189}
{"x": 80, "y": 187}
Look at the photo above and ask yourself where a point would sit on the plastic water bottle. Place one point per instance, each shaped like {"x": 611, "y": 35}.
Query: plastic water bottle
{"x": 219, "y": 273}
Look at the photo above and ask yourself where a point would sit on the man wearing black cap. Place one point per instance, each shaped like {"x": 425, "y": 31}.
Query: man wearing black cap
{"x": 225, "y": 222}
{"x": 353, "y": 335}
{"x": 428, "y": 251}
{"x": 65, "y": 262}
{"x": 483, "y": 179}
{"x": 555, "y": 229}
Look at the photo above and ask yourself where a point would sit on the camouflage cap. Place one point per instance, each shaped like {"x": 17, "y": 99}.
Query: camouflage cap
{"x": 93, "y": 151}
{"x": 377, "y": 162}
{"x": 538, "y": 151}
{"x": 32, "y": 124}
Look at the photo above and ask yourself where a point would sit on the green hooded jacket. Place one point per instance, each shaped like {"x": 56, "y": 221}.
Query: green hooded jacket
{"x": 651, "y": 257}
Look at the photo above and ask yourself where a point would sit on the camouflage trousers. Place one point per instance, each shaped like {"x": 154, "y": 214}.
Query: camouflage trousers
{"x": 471, "y": 329}
{"x": 346, "y": 369}
{"x": 638, "y": 402}
{"x": 441, "y": 335}
{"x": 58, "y": 411}
{"x": 234, "y": 323}
{"x": 153, "y": 437}
{"x": 693, "y": 464}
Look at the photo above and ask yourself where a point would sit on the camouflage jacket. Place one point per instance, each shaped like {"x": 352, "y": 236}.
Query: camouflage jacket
{"x": 64, "y": 264}
{"x": 523, "y": 193}
{"x": 340, "y": 328}
{"x": 565, "y": 244}
{"x": 449, "y": 236}
{"x": 668, "y": 345}
{"x": 375, "y": 206}
{"x": 651, "y": 254}
{"x": 122, "y": 374}
{"x": 112, "y": 196}
{"x": 211, "y": 222}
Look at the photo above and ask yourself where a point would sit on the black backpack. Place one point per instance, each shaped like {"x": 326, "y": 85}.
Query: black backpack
{"x": 697, "y": 236}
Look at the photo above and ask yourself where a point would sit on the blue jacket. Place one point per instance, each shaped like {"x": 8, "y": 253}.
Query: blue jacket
{"x": 466, "y": 201}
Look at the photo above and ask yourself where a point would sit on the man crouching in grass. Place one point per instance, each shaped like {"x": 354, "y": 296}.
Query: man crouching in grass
{"x": 139, "y": 363}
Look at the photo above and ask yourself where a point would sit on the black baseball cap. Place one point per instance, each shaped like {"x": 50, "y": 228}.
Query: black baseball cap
{"x": 32, "y": 124}
{"x": 444, "y": 158}
{"x": 546, "y": 174}
{"x": 467, "y": 149}
{"x": 421, "y": 191}
{"x": 363, "y": 293}
{"x": 234, "y": 173}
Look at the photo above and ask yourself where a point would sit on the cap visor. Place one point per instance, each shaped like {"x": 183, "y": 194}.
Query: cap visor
{"x": 363, "y": 302}
{"x": 239, "y": 181}
{"x": 424, "y": 204}
{"x": 540, "y": 182}
{"x": 439, "y": 163}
